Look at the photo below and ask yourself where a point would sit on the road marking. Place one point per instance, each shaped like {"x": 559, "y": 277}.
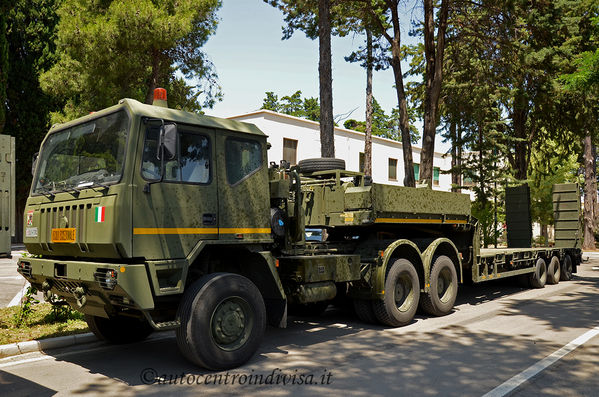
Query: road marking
{"x": 17, "y": 299}
{"x": 513, "y": 383}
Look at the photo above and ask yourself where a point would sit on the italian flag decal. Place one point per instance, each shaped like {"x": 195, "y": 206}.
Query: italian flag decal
{"x": 100, "y": 214}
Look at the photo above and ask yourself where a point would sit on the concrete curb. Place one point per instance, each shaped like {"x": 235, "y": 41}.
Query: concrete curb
{"x": 14, "y": 349}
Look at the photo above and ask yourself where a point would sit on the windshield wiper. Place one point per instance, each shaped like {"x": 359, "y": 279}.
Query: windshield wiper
{"x": 45, "y": 192}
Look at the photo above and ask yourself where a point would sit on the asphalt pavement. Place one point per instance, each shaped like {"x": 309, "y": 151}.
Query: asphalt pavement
{"x": 500, "y": 340}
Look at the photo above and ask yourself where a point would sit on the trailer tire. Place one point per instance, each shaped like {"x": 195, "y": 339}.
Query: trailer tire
{"x": 223, "y": 318}
{"x": 539, "y": 277}
{"x": 567, "y": 269}
{"x": 321, "y": 164}
{"x": 364, "y": 311}
{"x": 553, "y": 271}
{"x": 441, "y": 296}
{"x": 119, "y": 330}
{"x": 402, "y": 293}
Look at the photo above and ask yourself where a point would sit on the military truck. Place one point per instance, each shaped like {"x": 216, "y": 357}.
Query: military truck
{"x": 146, "y": 218}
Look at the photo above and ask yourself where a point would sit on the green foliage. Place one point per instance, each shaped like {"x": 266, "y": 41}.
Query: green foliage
{"x": 26, "y": 307}
{"x": 383, "y": 125}
{"x": 3, "y": 67}
{"x": 293, "y": 105}
{"x": 549, "y": 164}
{"x": 30, "y": 33}
{"x": 115, "y": 49}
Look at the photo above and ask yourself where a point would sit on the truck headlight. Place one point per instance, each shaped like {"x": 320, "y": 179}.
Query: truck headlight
{"x": 106, "y": 278}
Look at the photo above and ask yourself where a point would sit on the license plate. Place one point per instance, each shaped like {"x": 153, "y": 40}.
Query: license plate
{"x": 65, "y": 235}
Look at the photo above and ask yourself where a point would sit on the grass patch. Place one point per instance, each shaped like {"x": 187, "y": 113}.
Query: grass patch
{"x": 42, "y": 322}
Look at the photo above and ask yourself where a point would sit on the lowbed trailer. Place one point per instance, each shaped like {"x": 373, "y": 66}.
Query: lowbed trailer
{"x": 146, "y": 218}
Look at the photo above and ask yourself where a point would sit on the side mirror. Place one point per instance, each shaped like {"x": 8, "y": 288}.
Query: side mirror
{"x": 168, "y": 141}
{"x": 34, "y": 162}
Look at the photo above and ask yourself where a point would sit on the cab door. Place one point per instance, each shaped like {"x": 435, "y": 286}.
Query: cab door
{"x": 174, "y": 197}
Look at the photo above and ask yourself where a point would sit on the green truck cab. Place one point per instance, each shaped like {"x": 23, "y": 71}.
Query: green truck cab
{"x": 146, "y": 218}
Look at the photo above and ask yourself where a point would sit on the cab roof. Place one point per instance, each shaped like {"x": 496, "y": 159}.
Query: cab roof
{"x": 179, "y": 116}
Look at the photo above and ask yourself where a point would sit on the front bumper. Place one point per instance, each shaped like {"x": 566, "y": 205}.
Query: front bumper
{"x": 83, "y": 284}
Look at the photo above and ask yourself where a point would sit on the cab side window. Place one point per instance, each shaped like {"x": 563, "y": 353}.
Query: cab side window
{"x": 191, "y": 164}
{"x": 243, "y": 157}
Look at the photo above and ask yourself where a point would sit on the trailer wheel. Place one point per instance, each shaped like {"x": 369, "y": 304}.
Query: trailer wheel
{"x": 402, "y": 292}
{"x": 566, "y": 274}
{"x": 321, "y": 164}
{"x": 223, "y": 319}
{"x": 539, "y": 277}
{"x": 364, "y": 311}
{"x": 440, "y": 298}
{"x": 119, "y": 329}
{"x": 553, "y": 271}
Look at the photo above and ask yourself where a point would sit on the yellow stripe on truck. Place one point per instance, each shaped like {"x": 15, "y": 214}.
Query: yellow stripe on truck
{"x": 200, "y": 230}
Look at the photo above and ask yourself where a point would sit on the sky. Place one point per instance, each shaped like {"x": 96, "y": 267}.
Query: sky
{"x": 251, "y": 58}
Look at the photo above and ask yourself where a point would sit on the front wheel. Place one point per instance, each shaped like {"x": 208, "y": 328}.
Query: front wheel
{"x": 119, "y": 329}
{"x": 223, "y": 318}
{"x": 402, "y": 292}
{"x": 441, "y": 296}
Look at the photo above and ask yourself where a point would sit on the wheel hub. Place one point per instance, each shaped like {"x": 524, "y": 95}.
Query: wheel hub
{"x": 230, "y": 322}
{"x": 403, "y": 292}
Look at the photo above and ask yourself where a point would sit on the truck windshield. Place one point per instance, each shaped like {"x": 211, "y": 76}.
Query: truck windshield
{"x": 84, "y": 155}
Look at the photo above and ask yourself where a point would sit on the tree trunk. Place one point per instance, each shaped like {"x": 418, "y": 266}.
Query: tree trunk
{"x": 153, "y": 83}
{"x": 368, "y": 137}
{"x": 327, "y": 137}
{"x": 545, "y": 234}
{"x": 456, "y": 158}
{"x": 590, "y": 195}
{"x": 434, "y": 78}
{"x": 519, "y": 116}
{"x": 404, "y": 123}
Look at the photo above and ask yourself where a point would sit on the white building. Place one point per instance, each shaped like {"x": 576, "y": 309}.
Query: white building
{"x": 294, "y": 139}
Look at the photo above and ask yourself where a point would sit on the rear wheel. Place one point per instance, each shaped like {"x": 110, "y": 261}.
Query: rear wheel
{"x": 364, "y": 311}
{"x": 553, "y": 271}
{"x": 567, "y": 269}
{"x": 402, "y": 293}
{"x": 539, "y": 277}
{"x": 223, "y": 319}
{"x": 440, "y": 298}
{"x": 119, "y": 329}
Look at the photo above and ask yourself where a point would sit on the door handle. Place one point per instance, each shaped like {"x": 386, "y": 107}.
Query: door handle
{"x": 209, "y": 219}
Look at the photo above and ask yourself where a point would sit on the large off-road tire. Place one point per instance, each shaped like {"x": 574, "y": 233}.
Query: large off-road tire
{"x": 223, "y": 319}
{"x": 440, "y": 298}
{"x": 321, "y": 164}
{"x": 402, "y": 293}
{"x": 539, "y": 277}
{"x": 553, "y": 271}
{"x": 364, "y": 311}
{"x": 120, "y": 329}
{"x": 567, "y": 269}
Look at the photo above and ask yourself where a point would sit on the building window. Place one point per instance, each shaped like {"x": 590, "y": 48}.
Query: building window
{"x": 467, "y": 181}
{"x": 362, "y": 160}
{"x": 436, "y": 172}
{"x": 290, "y": 151}
{"x": 392, "y": 169}
{"x": 416, "y": 172}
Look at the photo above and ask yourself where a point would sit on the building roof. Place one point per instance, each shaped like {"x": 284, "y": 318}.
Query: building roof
{"x": 285, "y": 118}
